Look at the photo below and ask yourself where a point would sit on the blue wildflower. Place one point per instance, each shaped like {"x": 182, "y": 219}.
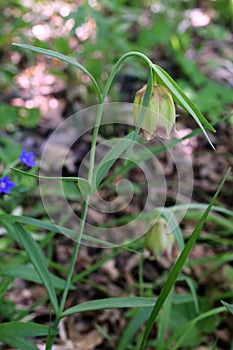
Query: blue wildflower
{"x": 6, "y": 184}
{"x": 27, "y": 158}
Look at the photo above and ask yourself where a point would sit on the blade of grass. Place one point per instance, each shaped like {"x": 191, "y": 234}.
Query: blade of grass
{"x": 38, "y": 260}
{"x": 110, "y": 303}
{"x": 200, "y": 206}
{"x": 24, "y": 313}
{"x": 4, "y": 286}
{"x": 13, "y": 334}
{"x": 23, "y": 329}
{"x": 104, "y": 333}
{"x": 49, "y": 340}
{"x": 178, "y": 266}
{"x": 192, "y": 290}
{"x": 228, "y": 306}
{"x": 4, "y": 219}
{"x": 133, "y": 326}
{"x": 215, "y": 345}
{"x": 19, "y": 343}
{"x": 28, "y": 273}
{"x": 164, "y": 321}
{"x": 95, "y": 266}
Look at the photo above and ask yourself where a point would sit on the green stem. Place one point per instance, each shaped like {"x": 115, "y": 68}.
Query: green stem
{"x": 8, "y": 169}
{"x": 74, "y": 255}
{"x": 91, "y": 170}
{"x": 94, "y": 139}
{"x": 70, "y": 271}
{"x": 103, "y": 97}
{"x": 145, "y": 104}
{"x": 117, "y": 65}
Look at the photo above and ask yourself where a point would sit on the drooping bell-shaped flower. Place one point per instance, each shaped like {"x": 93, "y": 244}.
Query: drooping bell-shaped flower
{"x": 160, "y": 239}
{"x": 160, "y": 114}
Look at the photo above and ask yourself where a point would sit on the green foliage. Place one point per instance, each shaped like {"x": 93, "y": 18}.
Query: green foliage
{"x": 184, "y": 313}
{"x": 38, "y": 260}
{"x": 110, "y": 303}
{"x": 28, "y": 273}
{"x": 18, "y": 116}
{"x": 210, "y": 96}
{"x": 177, "y": 268}
{"x": 228, "y": 306}
{"x": 14, "y": 334}
{"x": 122, "y": 29}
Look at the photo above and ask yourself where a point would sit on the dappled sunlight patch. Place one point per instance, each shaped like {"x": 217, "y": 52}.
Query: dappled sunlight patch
{"x": 199, "y": 18}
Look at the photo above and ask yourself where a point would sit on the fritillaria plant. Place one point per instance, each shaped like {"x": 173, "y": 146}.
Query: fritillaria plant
{"x": 154, "y": 113}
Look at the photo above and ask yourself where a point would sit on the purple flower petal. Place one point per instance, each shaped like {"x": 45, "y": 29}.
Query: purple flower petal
{"x": 27, "y": 158}
{"x": 6, "y": 185}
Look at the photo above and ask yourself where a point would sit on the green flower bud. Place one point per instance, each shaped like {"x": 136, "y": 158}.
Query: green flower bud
{"x": 160, "y": 115}
{"x": 160, "y": 239}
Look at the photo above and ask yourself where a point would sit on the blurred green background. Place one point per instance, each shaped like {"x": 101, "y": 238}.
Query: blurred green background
{"x": 192, "y": 40}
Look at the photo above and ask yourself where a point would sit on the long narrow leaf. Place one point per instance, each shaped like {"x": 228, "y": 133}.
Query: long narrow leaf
{"x": 184, "y": 101}
{"x": 228, "y": 306}
{"x": 38, "y": 260}
{"x": 28, "y": 273}
{"x": 178, "y": 266}
{"x": 110, "y": 158}
{"x": 110, "y": 303}
{"x": 4, "y": 286}
{"x": 63, "y": 58}
{"x": 82, "y": 183}
{"x": 141, "y": 316}
{"x": 22, "y": 329}
{"x": 164, "y": 321}
{"x": 132, "y": 328}
{"x": 48, "y": 226}
{"x": 18, "y": 343}
{"x": 14, "y": 334}
{"x": 192, "y": 290}
{"x": 26, "y": 173}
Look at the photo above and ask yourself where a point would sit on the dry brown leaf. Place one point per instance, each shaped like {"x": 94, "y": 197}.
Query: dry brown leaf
{"x": 88, "y": 341}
